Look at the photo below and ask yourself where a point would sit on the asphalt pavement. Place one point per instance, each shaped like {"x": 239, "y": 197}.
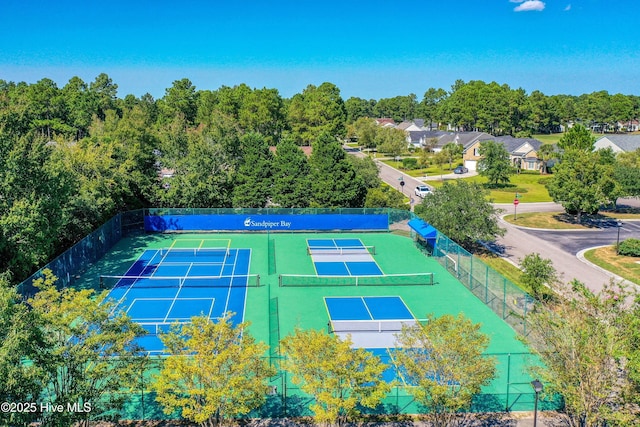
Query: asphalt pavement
{"x": 561, "y": 246}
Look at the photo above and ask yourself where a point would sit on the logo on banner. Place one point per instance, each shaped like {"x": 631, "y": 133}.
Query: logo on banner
{"x": 266, "y": 224}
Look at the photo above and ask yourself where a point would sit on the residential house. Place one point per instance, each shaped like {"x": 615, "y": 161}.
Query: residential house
{"x": 523, "y": 152}
{"x": 423, "y": 138}
{"x": 385, "y": 122}
{"x": 618, "y": 143}
{"x": 463, "y": 138}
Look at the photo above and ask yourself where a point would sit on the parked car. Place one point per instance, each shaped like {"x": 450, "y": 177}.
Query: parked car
{"x": 460, "y": 170}
{"x": 423, "y": 191}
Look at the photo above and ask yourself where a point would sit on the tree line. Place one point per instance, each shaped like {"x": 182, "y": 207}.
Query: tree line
{"x": 71, "y": 158}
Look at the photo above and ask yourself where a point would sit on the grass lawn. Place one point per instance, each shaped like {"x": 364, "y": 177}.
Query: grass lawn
{"x": 511, "y": 272}
{"x": 625, "y": 266}
{"x": 431, "y": 170}
{"x": 563, "y": 221}
{"x": 505, "y": 268}
{"x": 529, "y": 186}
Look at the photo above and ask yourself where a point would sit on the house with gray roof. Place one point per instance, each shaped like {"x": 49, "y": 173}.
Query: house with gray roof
{"x": 523, "y": 152}
{"x": 618, "y": 143}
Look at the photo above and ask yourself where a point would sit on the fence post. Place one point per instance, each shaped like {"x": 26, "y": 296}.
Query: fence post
{"x": 506, "y": 407}
{"x": 504, "y": 299}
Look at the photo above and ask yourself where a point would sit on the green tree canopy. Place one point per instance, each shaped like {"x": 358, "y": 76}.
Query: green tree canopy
{"x": 537, "y": 272}
{"x": 577, "y": 138}
{"x": 581, "y": 340}
{"x": 334, "y": 182}
{"x": 443, "y": 361}
{"x": 391, "y": 141}
{"x": 340, "y": 378}
{"x": 215, "y": 371}
{"x": 452, "y": 151}
{"x": 22, "y": 355}
{"x": 92, "y": 353}
{"x": 291, "y": 170}
{"x": 253, "y": 179}
{"x": 462, "y": 212}
{"x": 580, "y": 182}
{"x": 315, "y": 111}
{"x": 494, "y": 163}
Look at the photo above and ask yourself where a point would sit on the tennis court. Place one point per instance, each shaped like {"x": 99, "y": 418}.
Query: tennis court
{"x": 369, "y": 322}
{"x": 272, "y": 280}
{"x": 343, "y": 257}
{"x": 167, "y": 286}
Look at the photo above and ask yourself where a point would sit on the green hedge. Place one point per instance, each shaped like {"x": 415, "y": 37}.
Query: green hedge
{"x": 630, "y": 247}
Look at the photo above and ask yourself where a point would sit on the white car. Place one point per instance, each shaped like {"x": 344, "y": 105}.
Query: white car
{"x": 423, "y": 191}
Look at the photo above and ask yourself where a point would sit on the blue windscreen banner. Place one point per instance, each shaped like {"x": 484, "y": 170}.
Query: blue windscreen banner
{"x": 378, "y": 222}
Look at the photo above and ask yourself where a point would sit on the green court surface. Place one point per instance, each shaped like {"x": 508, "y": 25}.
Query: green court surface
{"x": 287, "y": 253}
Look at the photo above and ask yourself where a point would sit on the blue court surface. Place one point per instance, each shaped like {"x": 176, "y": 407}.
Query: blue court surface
{"x": 342, "y": 257}
{"x": 167, "y": 286}
{"x": 367, "y": 308}
{"x": 376, "y": 311}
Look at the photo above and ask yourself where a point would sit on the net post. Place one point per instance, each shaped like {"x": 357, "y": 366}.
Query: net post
{"x": 280, "y": 280}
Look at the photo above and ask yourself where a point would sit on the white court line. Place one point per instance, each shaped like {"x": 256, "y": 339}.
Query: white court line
{"x": 123, "y": 297}
{"x": 367, "y": 307}
{"x": 246, "y": 289}
{"x": 233, "y": 272}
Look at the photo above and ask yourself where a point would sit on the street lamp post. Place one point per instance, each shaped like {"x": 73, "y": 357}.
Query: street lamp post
{"x": 537, "y": 387}
{"x": 619, "y": 224}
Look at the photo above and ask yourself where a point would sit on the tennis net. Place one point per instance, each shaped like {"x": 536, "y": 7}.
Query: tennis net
{"x": 341, "y": 250}
{"x": 235, "y": 281}
{"x": 194, "y": 252}
{"x": 158, "y": 328}
{"x": 370, "y": 325}
{"x": 413, "y": 279}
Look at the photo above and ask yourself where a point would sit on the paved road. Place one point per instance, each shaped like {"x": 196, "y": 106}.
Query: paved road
{"x": 561, "y": 246}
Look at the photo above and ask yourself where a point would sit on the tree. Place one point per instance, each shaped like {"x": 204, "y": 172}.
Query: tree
{"x": 462, "y": 212}
{"x": 452, "y": 151}
{"x": 581, "y": 340}
{"x": 21, "y": 340}
{"x": 357, "y": 108}
{"x": 334, "y": 182}
{"x": 391, "y": 141}
{"x": 315, "y": 111}
{"x": 494, "y": 163}
{"x": 215, "y": 371}
{"x": 262, "y": 111}
{"x": 546, "y": 153}
{"x": 252, "y": 187}
{"x": 577, "y": 138}
{"x": 385, "y": 197}
{"x": 430, "y": 105}
{"x": 92, "y": 354}
{"x": 290, "y": 175}
{"x": 340, "y": 378}
{"x": 443, "y": 362}
{"x": 366, "y": 169}
{"x": 180, "y": 100}
{"x": 537, "y": 272}
{"x": 364, "y": 130}
{"x": 577, "y": 182}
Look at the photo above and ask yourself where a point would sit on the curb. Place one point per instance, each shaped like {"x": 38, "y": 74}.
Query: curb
{"x": 580, "y": 256}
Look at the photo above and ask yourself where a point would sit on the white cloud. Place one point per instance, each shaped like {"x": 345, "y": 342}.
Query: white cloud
{"x": 530, "y": 5}
{"x": 568, "y": 8}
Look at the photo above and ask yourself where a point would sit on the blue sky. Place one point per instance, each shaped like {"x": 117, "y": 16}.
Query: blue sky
{"x": 370, "y": 49}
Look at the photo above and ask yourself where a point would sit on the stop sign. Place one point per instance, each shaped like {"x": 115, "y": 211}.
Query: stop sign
{"x": 516, "y": 201}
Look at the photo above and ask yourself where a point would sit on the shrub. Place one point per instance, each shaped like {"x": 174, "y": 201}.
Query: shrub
{"x": 410, "y": 163}
{"x": 629, "y": 247}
